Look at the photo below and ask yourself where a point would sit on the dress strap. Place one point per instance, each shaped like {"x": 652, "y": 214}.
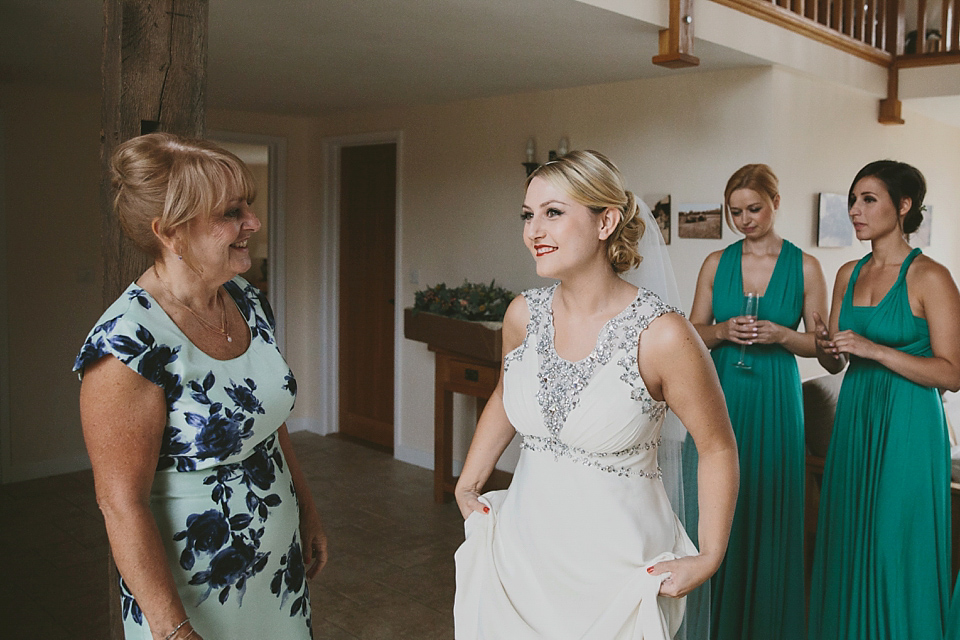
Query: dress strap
{"x": 907, "y": 262}
{"x": 730, "y": 268}
{"x": 848, "y": 294}
{"x": 537, "y": 304}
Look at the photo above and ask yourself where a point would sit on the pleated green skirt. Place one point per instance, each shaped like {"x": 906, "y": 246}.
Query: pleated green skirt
{"x": 881, "y": 567}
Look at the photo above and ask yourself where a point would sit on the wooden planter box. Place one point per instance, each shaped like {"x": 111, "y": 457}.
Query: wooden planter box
{"x": 481, "y": 340}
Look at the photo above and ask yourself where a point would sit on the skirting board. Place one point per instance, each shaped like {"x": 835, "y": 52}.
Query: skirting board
{"x": 308, "y": 424}
{"x": 421, "y": 458}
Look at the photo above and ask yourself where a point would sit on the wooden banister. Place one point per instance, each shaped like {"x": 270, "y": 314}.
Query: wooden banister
{"x": 830, "y": 34}
{"x": 870, "y": 29}
{"x": 921, "y": 26}
{"x": 874, "y": 30}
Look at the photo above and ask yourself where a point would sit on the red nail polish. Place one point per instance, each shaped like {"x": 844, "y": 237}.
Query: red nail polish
{"x": 649, "y": 569}
{"x": 486, "y": 509}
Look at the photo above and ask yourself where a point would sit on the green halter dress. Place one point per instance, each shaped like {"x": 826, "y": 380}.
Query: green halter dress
{"x": 882, "y": 564}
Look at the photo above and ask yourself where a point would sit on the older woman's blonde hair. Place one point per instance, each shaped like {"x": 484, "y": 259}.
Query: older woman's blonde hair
{"x": 591, "y": 179}
{"x": 756, "y": 177}
{"x": 170, "y": 179}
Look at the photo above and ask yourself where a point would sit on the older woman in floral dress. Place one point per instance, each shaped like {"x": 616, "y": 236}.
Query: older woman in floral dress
{"x": 183, "y": 404}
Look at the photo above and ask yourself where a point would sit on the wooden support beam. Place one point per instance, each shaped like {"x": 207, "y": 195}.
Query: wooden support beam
{"x": 895, "y": 30}
{"x": 890, "y": 106}
{"x": 154, "y": 77}
{"x": 676, "y": 43}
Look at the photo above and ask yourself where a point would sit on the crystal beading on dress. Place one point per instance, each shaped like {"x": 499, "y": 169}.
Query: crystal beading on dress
{"x": 562, "y": 381}
{"x": 559, "y": 449}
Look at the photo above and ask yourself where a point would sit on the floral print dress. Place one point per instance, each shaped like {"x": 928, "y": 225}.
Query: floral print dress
{"x": 222, "y": 496}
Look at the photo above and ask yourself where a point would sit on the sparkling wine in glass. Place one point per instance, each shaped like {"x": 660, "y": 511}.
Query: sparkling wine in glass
{"x": 749, "y": 308}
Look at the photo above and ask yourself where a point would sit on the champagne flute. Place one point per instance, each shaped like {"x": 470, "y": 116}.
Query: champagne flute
{"x": 750, "y": 303}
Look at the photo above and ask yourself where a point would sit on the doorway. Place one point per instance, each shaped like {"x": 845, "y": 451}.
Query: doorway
{"x": 266, "y": 158}
{"x": 367, "y": 250}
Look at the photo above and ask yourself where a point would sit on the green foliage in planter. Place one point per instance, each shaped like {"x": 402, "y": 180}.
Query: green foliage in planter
{"x": 486, "y": 302}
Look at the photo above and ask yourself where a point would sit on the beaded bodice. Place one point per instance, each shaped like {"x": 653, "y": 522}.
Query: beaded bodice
{"x": 596, "y": 411}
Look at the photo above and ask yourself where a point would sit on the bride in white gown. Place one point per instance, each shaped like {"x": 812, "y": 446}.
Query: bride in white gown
{"x": 584, "y": 545}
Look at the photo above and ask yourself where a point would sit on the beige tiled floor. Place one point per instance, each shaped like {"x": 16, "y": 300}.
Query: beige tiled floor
{"x": 390, "y": 575}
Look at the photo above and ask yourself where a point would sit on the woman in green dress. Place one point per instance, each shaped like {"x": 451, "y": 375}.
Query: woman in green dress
{"x": 882, "y": 564}
{"x": 758, "y": 591}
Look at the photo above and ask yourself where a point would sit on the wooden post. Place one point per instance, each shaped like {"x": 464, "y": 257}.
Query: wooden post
{"x": 154, "y": 78}
{"x": 890, "y": 106}
{"x": 676, "y": 43}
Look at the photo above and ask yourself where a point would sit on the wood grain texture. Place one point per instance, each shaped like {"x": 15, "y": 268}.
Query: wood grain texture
{"x": 368, "y": 177}
{"x": 154, "y": 69}
{"x": 676, "y": 43}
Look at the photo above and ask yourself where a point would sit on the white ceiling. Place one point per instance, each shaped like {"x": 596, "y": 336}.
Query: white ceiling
{"x": 315, "y": 56}
{"x": 310, "y": 57}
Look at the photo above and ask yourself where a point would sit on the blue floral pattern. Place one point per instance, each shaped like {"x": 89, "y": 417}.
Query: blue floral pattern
{"x": 291, "y": 579}
{"x": 128, "y": 606}
{"x": 227, "y": 509}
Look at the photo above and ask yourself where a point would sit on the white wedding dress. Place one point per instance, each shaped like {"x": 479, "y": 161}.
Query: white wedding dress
{"x": 563, "y": 553}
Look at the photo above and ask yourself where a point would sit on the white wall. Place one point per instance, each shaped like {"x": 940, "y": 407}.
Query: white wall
{"x": 52, "y": 264}
{"x": 461, "y": 192}
{"x": 828, "y": 133}
{"x": 683, "y": 135}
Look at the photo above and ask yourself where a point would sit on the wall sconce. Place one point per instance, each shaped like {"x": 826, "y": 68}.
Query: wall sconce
{"x": 531, "y": 164}
{"x": 562, "y": 147}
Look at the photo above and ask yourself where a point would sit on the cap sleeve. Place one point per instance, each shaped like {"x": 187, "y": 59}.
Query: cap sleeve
{"x": 135, "y": 346}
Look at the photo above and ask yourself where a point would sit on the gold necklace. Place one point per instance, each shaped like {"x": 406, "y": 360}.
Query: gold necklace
{"x": 222, "y": 329}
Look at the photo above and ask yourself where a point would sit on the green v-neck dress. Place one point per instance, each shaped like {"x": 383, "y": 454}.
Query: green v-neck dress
{"x": 758, "y": 590}
{"x": 882, "y": 563}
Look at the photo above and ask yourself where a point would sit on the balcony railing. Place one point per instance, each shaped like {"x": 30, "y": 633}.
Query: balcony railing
{"x": 882, "y": 31}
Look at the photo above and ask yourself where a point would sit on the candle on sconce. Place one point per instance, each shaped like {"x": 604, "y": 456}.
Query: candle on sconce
{"x": 531, "y": 150}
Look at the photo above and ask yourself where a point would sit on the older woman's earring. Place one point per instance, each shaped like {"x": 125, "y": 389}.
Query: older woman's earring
{"x": 179, "y": 257}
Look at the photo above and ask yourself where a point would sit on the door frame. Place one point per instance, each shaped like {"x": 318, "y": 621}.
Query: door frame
{"x": 276, "y": 219}
{"x": 6, "y": 461}
{"x": 329, "y": 278}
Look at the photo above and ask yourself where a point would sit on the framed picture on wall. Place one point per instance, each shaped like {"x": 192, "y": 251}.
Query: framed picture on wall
{"x": 833, "y": 227}
{"x": 921, "y": 237}
{"x": 700, "y": 221}
{"x": 661, "y": 213}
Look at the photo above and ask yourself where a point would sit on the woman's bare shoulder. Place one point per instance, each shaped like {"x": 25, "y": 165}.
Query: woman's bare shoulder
{"x": 930, "y": 274}
{"x": 668, "y": 331}
{"x": 711, "y": 261}
{"x": 811, "y": 264}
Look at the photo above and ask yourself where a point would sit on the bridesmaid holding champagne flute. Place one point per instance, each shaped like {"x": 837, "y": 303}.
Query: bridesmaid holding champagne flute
{"x": 758, "y": 591}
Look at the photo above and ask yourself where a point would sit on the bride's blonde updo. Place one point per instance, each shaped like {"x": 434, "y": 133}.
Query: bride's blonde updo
{"x": 591, "y": 179}
{"x": 171, "y": 179}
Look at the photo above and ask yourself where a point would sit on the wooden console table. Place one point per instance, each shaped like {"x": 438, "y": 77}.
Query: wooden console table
{"x": 455, "y": 373}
